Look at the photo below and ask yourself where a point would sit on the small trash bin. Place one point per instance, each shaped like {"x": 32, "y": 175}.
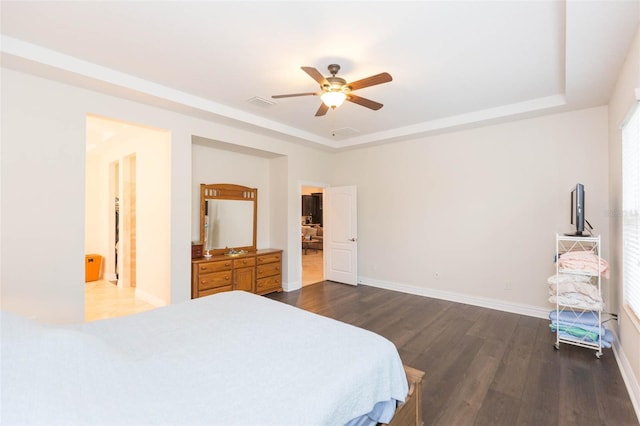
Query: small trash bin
{"x": 92, "y": 264}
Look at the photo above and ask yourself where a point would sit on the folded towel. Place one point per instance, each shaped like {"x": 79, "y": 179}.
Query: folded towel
{"x": 585, "y": 262}
{"x": 577, "y": 301}
{"x": 587, "y": 289}
{"x": 564, "y": 278}
{"x": 576, "y": 317}
{"x": 576, "y": 332}
{"x": 607, "y": 341}
{"x": 589, "y": 328}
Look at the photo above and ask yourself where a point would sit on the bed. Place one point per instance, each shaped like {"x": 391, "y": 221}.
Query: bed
{"x": 233, "y": 358}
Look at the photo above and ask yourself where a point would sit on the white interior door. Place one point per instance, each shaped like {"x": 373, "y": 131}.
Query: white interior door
{"x": 340, "y": 213}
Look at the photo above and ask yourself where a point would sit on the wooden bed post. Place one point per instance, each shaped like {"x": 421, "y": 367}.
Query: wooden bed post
{"x": 410, "y": 412}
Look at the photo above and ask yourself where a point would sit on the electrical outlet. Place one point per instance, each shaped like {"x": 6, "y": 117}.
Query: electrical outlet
{"x": 507, "y": 285}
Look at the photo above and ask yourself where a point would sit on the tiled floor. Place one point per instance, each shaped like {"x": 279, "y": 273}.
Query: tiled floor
{"x": 106, "y": 300}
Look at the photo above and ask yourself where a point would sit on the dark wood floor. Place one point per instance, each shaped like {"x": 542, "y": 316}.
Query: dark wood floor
{"x": 483, "y": 367}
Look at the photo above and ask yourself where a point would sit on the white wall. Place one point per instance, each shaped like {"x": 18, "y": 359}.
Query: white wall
{"x": 153, "y": 217}
{"x": 42, "y": 229}
{"x": 472, "y": 215}
{"x": 282, "y": 222}
{"x": 96, "y": 208}
{"x": 625, "y": 94}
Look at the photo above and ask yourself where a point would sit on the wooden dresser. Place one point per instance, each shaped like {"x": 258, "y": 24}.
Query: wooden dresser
{"x": 256, "y": 272}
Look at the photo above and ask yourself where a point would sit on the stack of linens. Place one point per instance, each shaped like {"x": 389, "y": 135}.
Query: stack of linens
{"x": 575, "y": 291}
{"x": 583, "y": 262}
{"x": 581, "y": 326}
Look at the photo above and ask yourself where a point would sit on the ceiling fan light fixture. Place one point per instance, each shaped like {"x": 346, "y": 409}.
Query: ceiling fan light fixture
{"x": 333, "y": 99}
{"x": 335, "y": 90}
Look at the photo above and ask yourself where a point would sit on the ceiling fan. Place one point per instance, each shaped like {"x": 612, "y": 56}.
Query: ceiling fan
{"x": 335, "y": 90}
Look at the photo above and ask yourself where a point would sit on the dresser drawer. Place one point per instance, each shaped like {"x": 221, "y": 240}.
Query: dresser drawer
{"x": 268, "y": 270}
{"x": 269, "y": 258}
{"x": 269, "y": 284}
{"x": 215, "y": 279}
{"x": 214, "y": 291}
{"x": 223, "y": 265}
{"x": 244, "y": 262}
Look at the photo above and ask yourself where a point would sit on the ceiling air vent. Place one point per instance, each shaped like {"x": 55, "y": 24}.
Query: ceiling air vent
{"x": 261, "y": 102}
{"x": 345, "y": 131}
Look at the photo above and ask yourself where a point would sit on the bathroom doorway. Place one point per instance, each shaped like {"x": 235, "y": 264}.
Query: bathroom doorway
{"x": 127, "y": 218}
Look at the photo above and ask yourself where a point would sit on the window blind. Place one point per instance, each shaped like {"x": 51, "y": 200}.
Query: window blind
{"x": 631, "y": 211}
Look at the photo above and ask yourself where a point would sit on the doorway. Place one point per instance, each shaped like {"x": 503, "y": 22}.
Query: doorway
{"x": 312, "y": 234}
{"x": 127, "y": 217}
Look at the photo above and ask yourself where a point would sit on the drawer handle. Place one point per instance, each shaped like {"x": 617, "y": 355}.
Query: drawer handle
{"x": 227, "y": 278}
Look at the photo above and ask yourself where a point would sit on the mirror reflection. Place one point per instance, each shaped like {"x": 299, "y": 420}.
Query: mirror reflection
{"x": 228, "y": 218}
{"x": 228, "y": 223}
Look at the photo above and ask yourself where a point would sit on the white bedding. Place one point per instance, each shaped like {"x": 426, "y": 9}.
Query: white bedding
{"x": 233, "y": 358}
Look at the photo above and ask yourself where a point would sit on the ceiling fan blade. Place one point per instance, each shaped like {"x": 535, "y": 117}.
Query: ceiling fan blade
{"x": 322, "y": 110}
{"x": 383, "y": 77}
{"x": 364, "y": 102}
{"x": 315, "y": 74}
{"x": 293, "y": 95}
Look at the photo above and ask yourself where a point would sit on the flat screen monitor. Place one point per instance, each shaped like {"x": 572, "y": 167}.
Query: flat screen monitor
{"x": 578, "y": 211}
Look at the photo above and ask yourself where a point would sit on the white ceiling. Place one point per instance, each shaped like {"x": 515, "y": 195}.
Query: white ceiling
{"x": 454, "y": 64}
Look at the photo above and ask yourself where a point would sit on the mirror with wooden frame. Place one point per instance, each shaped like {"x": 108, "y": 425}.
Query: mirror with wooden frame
{"x": 228, "y": 218}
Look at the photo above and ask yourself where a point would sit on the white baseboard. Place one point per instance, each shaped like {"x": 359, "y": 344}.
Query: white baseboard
{"x": 499, "y": 305}
{"x": 633, "y": 387}
{"x": 150, "y": 298}
{"x": 292, "y": 286}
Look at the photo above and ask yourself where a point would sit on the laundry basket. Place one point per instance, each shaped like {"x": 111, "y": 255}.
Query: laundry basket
{"x": 92, "y": 264}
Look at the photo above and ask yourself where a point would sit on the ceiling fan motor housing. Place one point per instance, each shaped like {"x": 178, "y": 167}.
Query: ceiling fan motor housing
{"x": 333, "y": 69}
{"x": 335, "y": 84}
